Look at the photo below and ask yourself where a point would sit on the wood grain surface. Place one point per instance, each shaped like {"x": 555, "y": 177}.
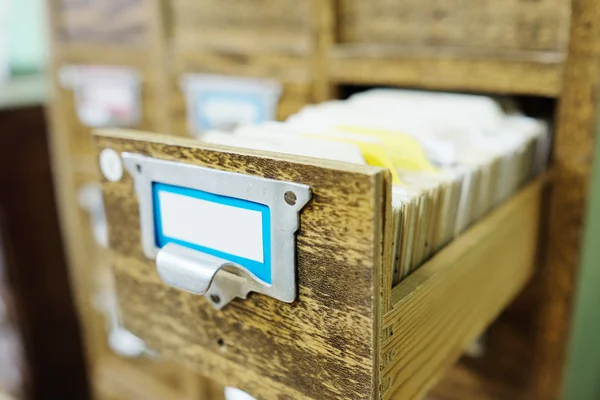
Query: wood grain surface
{"x": 509, "y": 24}
{"x": 126, "y": 22}
{"x": 324, "y": 17}
{"x": 518, "y": 47}
{"x": 531, "y": 73}
{"x": 277, "y": 26}
{"x": 321, "y": 346}
{"x": 293, "y": 72}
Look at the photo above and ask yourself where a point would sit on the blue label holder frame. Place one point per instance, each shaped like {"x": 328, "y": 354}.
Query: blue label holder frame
{"x": 257, "y": 100}
{"x": 260, "y": 271}
{"x": 283, "y": 224}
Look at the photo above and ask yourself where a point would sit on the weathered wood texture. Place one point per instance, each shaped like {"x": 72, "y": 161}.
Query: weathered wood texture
{"x": 514, "y": 47}
{"x": 278, "y": 66}
{"x": 131, "y": 378}
{"x": 184, "y": 327}
{"x": 511, "y": 24}
{"x": 527, "y": 346}
{"x": 444, "y": 305}
{"x": 101, "y": 22}
{"x": 322, "y": 345}
{"x": 244, "y": 25}
{"x": 324, "y": 17}
{"x": 446, "y": 69}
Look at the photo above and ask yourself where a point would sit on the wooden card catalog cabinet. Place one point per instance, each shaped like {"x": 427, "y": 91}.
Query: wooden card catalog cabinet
{"x": 479, "y": 25}
{"x": 242, "y": 25}
{"x": 116, "y": 22}
{"x": 339, "y": 331}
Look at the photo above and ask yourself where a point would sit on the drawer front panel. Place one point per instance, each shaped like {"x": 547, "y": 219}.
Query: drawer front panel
{"x": 477, "y": 24}
{"x": 321, "y": 345}
{"x": 119, "y": 22}
{"x": 244, "y": 25}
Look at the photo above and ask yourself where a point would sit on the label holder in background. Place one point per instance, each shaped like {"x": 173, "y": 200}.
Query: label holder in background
{"x": 216, "y": 233}
{"x": 224, "y": 102}
{"x": 105, "y": 96}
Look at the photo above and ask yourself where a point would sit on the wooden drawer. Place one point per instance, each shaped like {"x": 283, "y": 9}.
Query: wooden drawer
{"x": 242, "y": 25}
{"x": 348, "y": 334}
{"x": 481, "y": 25}
{"x": 293, "y": 72}
{"x": 118, "y": 22}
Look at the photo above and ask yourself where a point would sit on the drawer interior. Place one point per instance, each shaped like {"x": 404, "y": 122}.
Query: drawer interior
{"x": 438, "y": 311}
{"x": 242, "y": 25}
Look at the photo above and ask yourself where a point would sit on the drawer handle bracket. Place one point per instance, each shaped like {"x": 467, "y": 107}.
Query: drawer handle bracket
{"x": 202, "y": 274}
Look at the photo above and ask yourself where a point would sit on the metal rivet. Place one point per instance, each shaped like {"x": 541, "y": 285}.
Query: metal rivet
{"x": 111, "y": 165}
{"x": 215, "y": 298}
{"x": 290, "y": 198}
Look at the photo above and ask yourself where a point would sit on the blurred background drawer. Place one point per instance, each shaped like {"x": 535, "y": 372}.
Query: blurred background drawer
{"x": 481, "y": 25}
{"x": 249, "y": 25}
{"x": 122, "y": 22}
{"x": 74, "y": 97}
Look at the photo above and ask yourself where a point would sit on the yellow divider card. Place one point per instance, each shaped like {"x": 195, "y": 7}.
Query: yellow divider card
{"x": 405, "y": 151}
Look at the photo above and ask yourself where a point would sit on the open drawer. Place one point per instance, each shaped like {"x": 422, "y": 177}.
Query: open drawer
{"x": 346, "y": 334}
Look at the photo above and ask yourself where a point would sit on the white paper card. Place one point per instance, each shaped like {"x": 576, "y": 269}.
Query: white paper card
{"x": 232, "y": 230}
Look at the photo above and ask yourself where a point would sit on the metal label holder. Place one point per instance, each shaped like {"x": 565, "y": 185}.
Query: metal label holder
{"x": 217, "y": 276}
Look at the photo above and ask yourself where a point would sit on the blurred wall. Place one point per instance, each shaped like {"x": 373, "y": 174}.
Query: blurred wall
{"x": 583, "y": 374}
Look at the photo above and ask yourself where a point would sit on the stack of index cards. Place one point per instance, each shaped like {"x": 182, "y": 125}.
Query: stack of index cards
{"x": 452, "y": 157}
